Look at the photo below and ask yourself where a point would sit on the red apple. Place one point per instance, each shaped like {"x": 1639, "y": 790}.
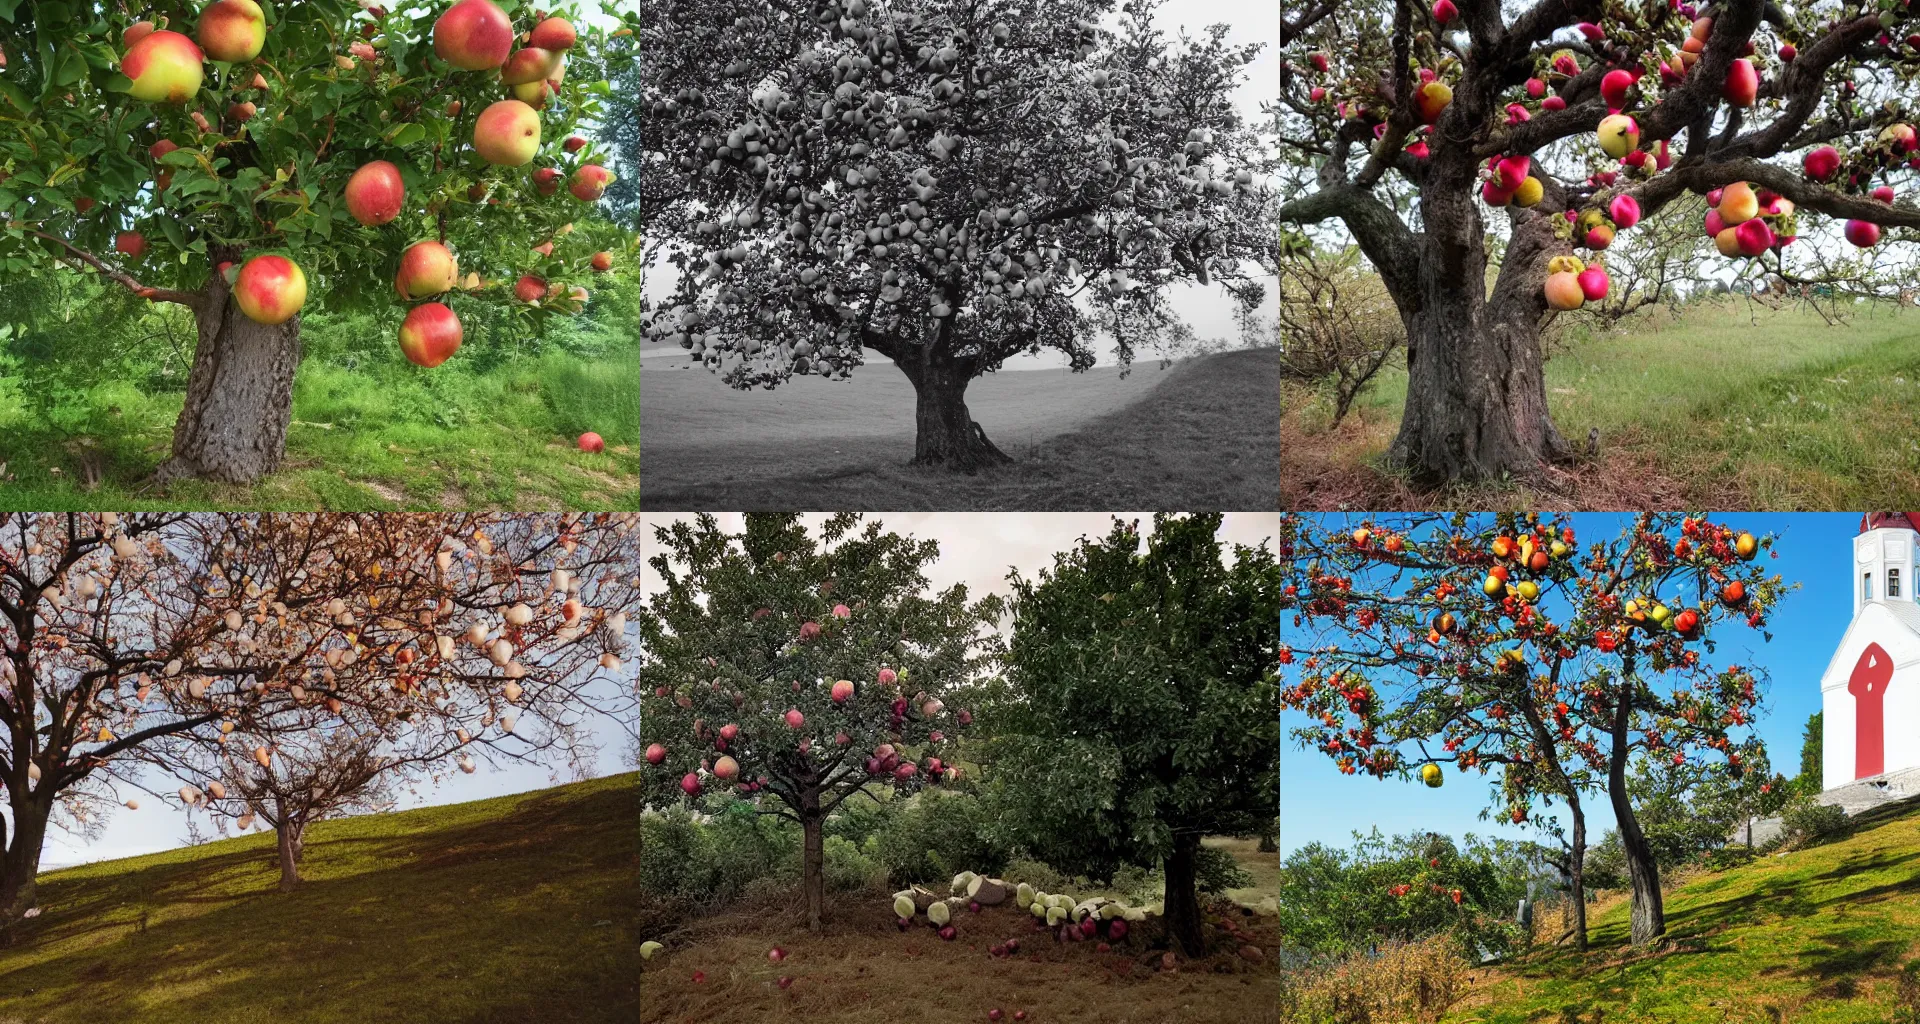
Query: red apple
{"x": 1444, "y": 11}
{"x": 1593, "y": 285}
{"x": 375, "y": 193}
{"x": 841, "y": 691}
{"x": 1318, "y": 60}
{"x": 1553, "y": 103}
{"x": 430, "y": 334}
{"x": 554, "y": 34}
{"x": 241, "y": 112}
{"x": 232, "y": 30}
{"x": 1884, "y": 193}
{"x": 1743, "y": 84}
{"x": 474, "y": 35}
{"x": 603, "y": 261}
{"x": 574, "y": 144}
{"x": 546, "y": 180}
{"x": 690, "y": 783}
{"x": 426, "y": 269}
{"x": 1821, "y": 163}
{"x": 591, "y": 443}
{"x": 529, "y": 289}
{"x": 507, "y": 133}
{"x": 1613, "y": 89}
{"x": 1625, "y": 210}
{"x": 656, "y": 753}
{"x": 135, "y": 32}
{"x": 1863, "y": 233}
{"x": 776, "y": 954}
{"x": 528, "y": 64}
{"x": 795, "y": 719}
{"x": 130, "y": 243}
{"x": 269, "y": 289}
{"x": 1754, "y": 236}
{"x": 1787, "y": 52}
{"x": 166, "y": 67}
{"x": 589, "y": 182}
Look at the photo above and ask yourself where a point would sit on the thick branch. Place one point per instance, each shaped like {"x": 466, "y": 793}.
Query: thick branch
{"x": 154, "y": 294}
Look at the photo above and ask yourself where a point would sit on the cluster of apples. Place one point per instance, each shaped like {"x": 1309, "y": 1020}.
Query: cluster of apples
{"x": 1528, "y": 555}
{"x": 1746, "y": 221}
{"x": 1895, "y": 145}
{"x": 1572, "y": 283}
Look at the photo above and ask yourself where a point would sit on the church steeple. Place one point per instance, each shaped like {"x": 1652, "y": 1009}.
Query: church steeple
{"x": 1883, "y": 557}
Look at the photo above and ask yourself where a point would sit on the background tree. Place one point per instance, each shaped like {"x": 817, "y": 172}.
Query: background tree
{"x": 1359, "y": 80}
{"x": 1141, "y": 713}
{"x": 798, "y": 672}
{"x": 1812, "y": 743}
{"x": 1496, "y": 639}
{"x": 121, "y": 632}
{"x": 949, "y": 184}
{"x": 249, "y": 156}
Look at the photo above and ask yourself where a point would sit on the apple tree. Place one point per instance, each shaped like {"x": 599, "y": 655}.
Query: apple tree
{"x": 242, "y": 159}
{"x": 122, "y": 634}
{"x": 947, "y": 183}
{"x": 1141, "y": 710}
{"x": 1423, "y": 127}
{"x": 799, "y": 673}
{"x": 1498, "y": 645}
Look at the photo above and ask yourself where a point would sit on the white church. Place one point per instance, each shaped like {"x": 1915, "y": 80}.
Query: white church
{"x": 1870, "y": 694}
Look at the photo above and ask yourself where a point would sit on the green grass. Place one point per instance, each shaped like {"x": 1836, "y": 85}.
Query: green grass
{"x": 1739, "y": 405}
{"x": 513, "y": 909}
{"x": 377, "y": 438}
{"x": 1817, "y": 936}
{"x": 1199, "y": 435}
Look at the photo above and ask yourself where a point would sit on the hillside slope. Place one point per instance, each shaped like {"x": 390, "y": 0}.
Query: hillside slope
{"x": 1817, "y": 936}
{"x": 1202, "y": 436}
{"x": 515, "y": 909}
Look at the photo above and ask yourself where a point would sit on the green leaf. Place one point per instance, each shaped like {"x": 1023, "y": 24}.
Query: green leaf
{"x": 71, "y": 68}
{"x": 170, "y": 226}
{"x": 404, "y": 135}
{"x": 118, "y": 83}
{"x": 7, "y": 7}
{"x": 16, "y": 98}
{"x": 182, "y": 158}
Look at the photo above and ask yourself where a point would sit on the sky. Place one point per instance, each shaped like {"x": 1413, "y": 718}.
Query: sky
{"x": 1206, "y": 309}
{"x": 977, "y": 548}
{"x": 1318, "y": 804}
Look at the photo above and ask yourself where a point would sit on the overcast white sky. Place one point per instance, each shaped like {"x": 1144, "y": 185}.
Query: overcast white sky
{"x": 977, "y": 548}
{"x": 1206, "y": 309}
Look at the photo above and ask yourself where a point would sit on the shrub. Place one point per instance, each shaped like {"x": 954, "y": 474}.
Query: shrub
{"x": 937, "y": 835}
{"x": 1337, "y": 323}
{"x": 1038, "y": 874}
{"x": 748, "y": 845}
{"x": 1812, "y": 823}
{"x": 858, "y": 820}
{"x": 1216, "y": 871}
{"x": 1405, "y": 982}
{"x": 846, "y": 868}
{"x": 676, "y": 856}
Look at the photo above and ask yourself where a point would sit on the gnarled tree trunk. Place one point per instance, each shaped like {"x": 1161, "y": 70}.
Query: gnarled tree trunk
{"x": 945, "y": 433}
{"x": 1182, "y": 902}
{"x": 20, "y": 865}
{"x": 1476, "y": 390}
{"x": 239, "y": 394}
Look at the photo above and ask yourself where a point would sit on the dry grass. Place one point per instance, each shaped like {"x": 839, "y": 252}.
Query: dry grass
{"x": 1417, "y": 981}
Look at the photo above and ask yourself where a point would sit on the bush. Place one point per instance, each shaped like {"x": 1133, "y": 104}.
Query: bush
{"x": 858, "y": 820}
{"x": 749, "y": 845}
{"x": 846, "y": 868}
{"x": 1811, "y": 823}
{"x": 937, "y": 835}
{"x": 676, "y": 856}
{"x": 1038, "y": 874}
{"x": 1337, "y": 323}
{"x": 1405, "y": 982}
{"x": 1216, "y": 871}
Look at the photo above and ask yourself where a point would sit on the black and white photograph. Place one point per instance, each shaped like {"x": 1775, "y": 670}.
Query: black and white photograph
{"x": 1053, "y": 219}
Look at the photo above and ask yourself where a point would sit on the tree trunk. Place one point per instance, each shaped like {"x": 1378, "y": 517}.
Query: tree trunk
{"x": 812, "y": 873}
{"x": 20, "y": 865}
{"x": 1649, "y": 919}
{"x": 944, "y": 431}
{"x": 1182, "y": 903}
{"x": 239, "y": 395}
{"x": 1476, "y": 391}
{"x": 288, "y": 833}
{"x": 1577, "y": 873}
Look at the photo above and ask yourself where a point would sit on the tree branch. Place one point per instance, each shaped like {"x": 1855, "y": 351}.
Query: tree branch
{"x": 187, "y": 299}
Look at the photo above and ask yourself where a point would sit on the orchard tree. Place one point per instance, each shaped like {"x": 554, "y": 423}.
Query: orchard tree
{"x": 1567, "y": 121}
{"x": 948, "y": 183}
{"x": 1141, "y": 711}
{"x": 799, "y": 673}
{"x": 121, "y": 633}
{"x": 244, "y": 158}
{"x": 1498, "y": 645}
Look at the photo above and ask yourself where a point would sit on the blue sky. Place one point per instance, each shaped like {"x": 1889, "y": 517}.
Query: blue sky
{"x": 1318, "y": 804}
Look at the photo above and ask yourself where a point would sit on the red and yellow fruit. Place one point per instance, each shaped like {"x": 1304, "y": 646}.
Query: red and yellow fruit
{"x": 430, "y": 334}
{"x": 270, "y": 289}
{"x": 375, "y": 193}
{"x": 507, "y": 134}
{"x": 232, "y": 30}
{"x": 166, "y": 67}
{"x": 473, "y": 34}
{"x": 426, "y": 269}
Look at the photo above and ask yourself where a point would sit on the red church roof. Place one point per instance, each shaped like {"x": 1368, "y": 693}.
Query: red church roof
{"x": 1889, "y": 521}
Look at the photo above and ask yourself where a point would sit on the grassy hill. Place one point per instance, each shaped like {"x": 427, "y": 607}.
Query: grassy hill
{"x": 1732, "y": 405}
{"x": 1817, "y": 936}
{"x": 1197, "y": 435}
{"x": 515, "y": 909}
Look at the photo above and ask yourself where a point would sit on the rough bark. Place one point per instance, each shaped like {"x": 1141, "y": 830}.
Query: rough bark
{"x": 812, "y": 873}
{"x": 289, "y": 835}
{"x": 239, "y": 394}
{"x": 1476, "y": 387}
{"x": 1577, "y": 874}
{"x": 1649, "y": 919}
{"x": 945, "y": 433}
{"x": 20, "y": 865}
{"x": 1182, "y": 903}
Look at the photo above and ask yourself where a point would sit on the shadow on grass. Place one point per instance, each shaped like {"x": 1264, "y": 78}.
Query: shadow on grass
{"x": 521, "y": 917}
